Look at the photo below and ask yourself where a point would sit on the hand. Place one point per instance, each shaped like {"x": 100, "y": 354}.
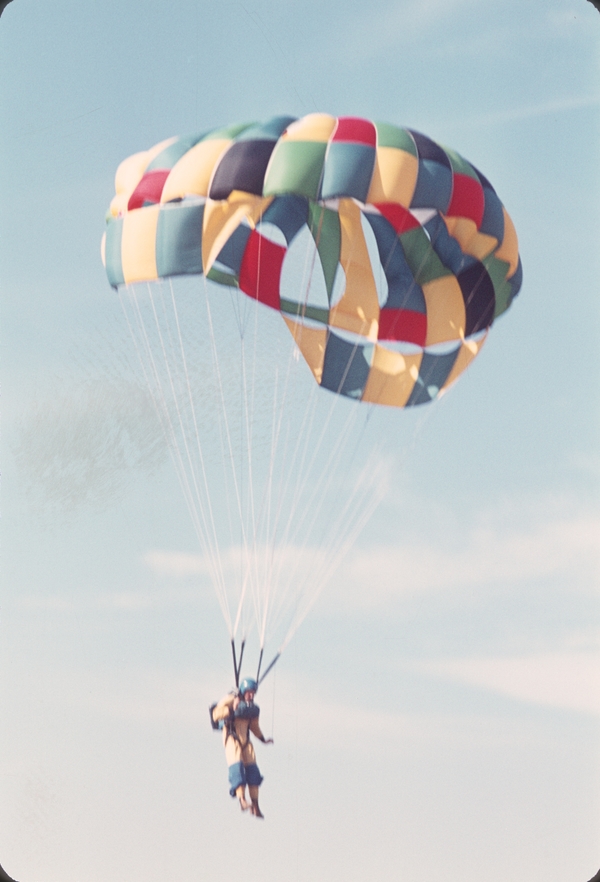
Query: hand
{"x": 268, "y": 741}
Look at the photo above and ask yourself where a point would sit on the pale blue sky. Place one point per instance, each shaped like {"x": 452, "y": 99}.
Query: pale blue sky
{"x": 437, "y": 714}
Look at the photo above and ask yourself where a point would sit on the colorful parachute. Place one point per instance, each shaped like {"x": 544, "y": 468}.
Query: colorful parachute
{"x": 388, "y": 258}
{"x": 416, "y": 253}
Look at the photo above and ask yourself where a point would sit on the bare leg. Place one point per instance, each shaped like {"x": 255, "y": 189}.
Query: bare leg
{"x": 241, "y": 795}
{"x": 254, "y": 808}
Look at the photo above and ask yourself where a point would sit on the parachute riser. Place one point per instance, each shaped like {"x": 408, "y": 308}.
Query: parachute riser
{"x": 260, "y": 658}
{"x": 236, "y": 669}
{"x": 271, "y": 665}
{"x": 237, "y": 664}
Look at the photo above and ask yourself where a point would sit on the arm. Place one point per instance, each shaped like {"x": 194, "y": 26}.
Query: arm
{"x": 256, "y": 730}
{"x": 224, "y": 708}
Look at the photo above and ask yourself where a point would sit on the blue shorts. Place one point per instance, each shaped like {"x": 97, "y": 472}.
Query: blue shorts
{"x": 240, "y": 775}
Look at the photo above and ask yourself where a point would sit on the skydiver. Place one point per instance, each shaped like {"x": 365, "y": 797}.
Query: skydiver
{"x": 240, "y": 715}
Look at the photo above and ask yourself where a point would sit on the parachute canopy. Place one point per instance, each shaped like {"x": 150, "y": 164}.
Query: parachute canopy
{"x": 414, "y": 252}
{"x": 386, "y": 256}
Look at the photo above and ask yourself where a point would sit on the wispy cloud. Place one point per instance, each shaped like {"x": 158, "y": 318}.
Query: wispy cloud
{"x": 180, "y": 564}
{"x": 152, "y": 697}
{"x": 486, "y": 557}
{"x": 562, "y": 680}
{"x": 177, "y": 564}
{"x": 274, "y": 586}
{"x": 370, "y": 577}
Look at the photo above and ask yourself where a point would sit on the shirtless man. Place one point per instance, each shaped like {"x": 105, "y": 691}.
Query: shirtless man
{"x": 240, "y": 717}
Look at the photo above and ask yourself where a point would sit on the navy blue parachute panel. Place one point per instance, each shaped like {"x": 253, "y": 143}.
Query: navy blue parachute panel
{"x": 493, "y": 216}
{"x": 433, "y": 373}
{"x": 403, "y": 291}
{"x": 446, "y": 247}
{"x": 434, "y": 178}
{"x": 346, "y": 366}
{"x": 242, "y": 167}
{"x": 289, "y": 213}
{"x": 232, "y": 252}
{"x": 479, "y": 296}
{"x": 428, "y": 149}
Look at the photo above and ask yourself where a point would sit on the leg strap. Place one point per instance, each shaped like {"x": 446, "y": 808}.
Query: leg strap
{"x": 237, "y": 777}
{"x": 253, "y": 775}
